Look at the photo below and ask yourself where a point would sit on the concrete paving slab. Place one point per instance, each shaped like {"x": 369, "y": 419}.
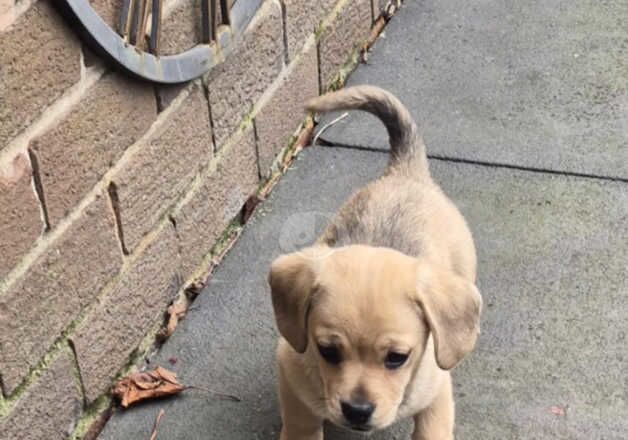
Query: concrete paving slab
{"x": 552, "y": 269}
{"x": 540, "y": 84}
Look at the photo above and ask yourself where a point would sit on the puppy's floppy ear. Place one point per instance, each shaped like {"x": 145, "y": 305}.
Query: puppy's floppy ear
{"x": 452, "y": 308}
{"x": 292, "y": 278}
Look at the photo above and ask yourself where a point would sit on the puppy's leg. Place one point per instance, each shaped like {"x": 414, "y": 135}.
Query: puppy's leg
{"x": 436, "y": 422}
{"x": 298, "y": 421}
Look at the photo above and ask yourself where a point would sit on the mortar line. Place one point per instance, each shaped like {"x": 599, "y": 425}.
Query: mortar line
{"x": 443, "y": 158}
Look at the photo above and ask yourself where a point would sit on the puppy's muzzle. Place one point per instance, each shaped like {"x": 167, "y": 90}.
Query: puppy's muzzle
{"x": 358, "y": 414}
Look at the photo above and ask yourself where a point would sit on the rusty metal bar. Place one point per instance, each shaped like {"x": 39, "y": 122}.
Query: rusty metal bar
{"x": 207, "y": 20}
{"x": 214, "y": 18}
{"x": 135, "y": 20}
{"x": 140, "y": 38}
{"x": 153, "y": 44}
{"x": 125, "y": 17}
{"x": 224, "y": 9}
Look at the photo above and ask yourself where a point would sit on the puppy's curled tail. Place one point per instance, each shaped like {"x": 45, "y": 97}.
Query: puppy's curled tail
{"x": 407, "y": 148}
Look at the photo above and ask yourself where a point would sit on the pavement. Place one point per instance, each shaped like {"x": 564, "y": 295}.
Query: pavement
{"x": 525, "y": 113}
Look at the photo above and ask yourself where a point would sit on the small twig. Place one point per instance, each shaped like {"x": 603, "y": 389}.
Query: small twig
{"x": 326, "y": 126}
{"x": 215, "y": 393}
{"x": 153, "y": 436}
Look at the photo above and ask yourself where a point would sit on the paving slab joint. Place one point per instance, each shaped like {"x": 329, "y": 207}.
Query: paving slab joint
{"x": 328, "y": 144}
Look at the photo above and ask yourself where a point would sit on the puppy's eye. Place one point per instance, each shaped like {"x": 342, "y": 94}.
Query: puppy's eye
{"x": 395, "y": 360}
{"x": 330, "y": 353}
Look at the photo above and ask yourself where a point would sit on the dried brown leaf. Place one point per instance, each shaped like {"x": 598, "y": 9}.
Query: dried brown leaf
{"x": 175, "y": 312}
{"x": 146, "y": 385}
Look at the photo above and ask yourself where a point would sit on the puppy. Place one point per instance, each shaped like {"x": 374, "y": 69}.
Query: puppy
{"x": 375, "y": 314}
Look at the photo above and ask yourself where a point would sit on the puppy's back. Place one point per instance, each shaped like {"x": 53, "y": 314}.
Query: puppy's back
{"x": 404, "y": 209}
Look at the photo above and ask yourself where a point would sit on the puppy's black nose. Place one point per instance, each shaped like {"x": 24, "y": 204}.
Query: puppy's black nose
{"x": 357, "y": 413}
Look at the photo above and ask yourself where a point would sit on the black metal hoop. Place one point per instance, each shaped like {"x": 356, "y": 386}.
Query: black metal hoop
{"x": 217, "y": 39}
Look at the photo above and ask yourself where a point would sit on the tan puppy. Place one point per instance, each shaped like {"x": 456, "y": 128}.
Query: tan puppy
{"x": 376, "y": 313}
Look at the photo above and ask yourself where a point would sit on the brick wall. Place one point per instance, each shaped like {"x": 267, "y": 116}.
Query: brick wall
{"x": 114, "y": 191}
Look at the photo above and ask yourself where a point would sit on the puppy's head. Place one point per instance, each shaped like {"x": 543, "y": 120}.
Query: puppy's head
{"x": 364, "y": 314}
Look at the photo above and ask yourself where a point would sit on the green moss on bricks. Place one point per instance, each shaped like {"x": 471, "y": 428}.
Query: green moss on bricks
{"x": 318, "y": 32}
{"x": 98, "y": 406}
{"x": 35, "y": 373}
{"x": 226, "y": 236}
{"x": 247, "y": 120}
{"x": 329, "y": 19}
{"x": 346, "y": 69}
{"x": 3, "y": 406}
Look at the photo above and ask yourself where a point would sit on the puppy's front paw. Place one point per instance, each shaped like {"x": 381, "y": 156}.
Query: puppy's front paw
{"x": 436, "y": 422}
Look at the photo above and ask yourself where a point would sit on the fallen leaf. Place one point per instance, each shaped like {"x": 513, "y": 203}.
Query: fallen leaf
{"x": 146, "y": 385}
{"x": 153, "y": 436}
{"x": 557, "y": 410}
{"x": 175, "y": 312}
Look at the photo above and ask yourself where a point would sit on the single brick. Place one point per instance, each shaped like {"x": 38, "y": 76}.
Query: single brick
{"x": 20, "y": 222}
{"x": 39, "y": 60}
{"x": 236, "y": 84}
{"x": 303, "y": 18}
{"x": 160, "y": 172}
{"x": 349, "y": 30}
{"x": 280, "y": 117}
{"x": 110, "y": 333}
{"x": 109, "y": 11}
{"x": 50, "y": 408}
{"x": 60, "y": 283}
{"x": 203, "y": 219}
{"x": 77, "y": 153}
